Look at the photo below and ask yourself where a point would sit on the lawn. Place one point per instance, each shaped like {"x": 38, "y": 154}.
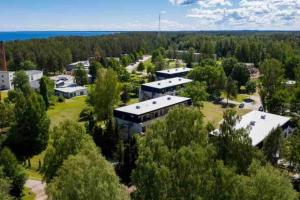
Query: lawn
{"x": 3, "y": 95}
{"x": 239, "y": 98}
{"x": 27, "y": 194}
{"x": 70, "y": 109}
{"x": 214, "y": 113}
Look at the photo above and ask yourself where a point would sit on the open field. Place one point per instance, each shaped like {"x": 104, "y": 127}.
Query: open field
{"x": 239, "y": 98}
{"x": 214, "y": 112}
{"x": 3, "y": 95}
{"x": 27, "y": 194}
{"x": 70, "y": 109}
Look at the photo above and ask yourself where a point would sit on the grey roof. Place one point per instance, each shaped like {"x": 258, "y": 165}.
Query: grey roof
{"x": 168, "y": 83}
{"x": 33, "y": 72}
{"x": 152, "y": 105}
{"x": 261, "y": 124}
{"x": 175, "y": 70}
{"x": 70, "y": 89}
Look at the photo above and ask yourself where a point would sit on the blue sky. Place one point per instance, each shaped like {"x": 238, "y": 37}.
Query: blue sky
{"x": 18, "y": 15}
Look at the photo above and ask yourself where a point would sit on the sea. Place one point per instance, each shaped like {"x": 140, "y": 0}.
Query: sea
{"x": 28, "y": 35}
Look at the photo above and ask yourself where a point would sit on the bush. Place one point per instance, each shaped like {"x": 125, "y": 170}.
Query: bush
{"x": 61, "y": 99}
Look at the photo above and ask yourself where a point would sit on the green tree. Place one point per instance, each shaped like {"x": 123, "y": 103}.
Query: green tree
{"x": 213, "y": 76}
{"x": 228, "y": 65}
{"x": 240, "y": 74}
{"x": 271, "y": 80}
{"x": 6, "y": 114}
{"x": 189, "y": 57}
{"x": 81, "y": 77}
{"x": 5, "y": 185}
{"x": 46, "y": 90}
{"x": 250, "y": 88}
{"x": 291, "y": 151}
{"x": 21, "y": 81}
{"x": 231, "y": 144}
{"x": 94, "y": 67}
{"x": 28, "y": 135}
{"x": 297, "y": 73}
{"x": 173, "y": 158}
{"x": 272, "y": 145}
{"x": 105, "y": 94}
{"x": 196, "y": 91}
{"x": 13, "y": 170}
{"x": 141, "y": 66}
{"x": 279, "y": 102}
{"x": 291, "y": 64}
{"x": 231, "y": 88}
{"x": 269, "y": 183}
{"x": 27, "y": 65}
{"x": 86, "y": 175}
{"x": 125, "y": 93}
{"x": 160, "y": 63}
{"x": 66, "y": 139}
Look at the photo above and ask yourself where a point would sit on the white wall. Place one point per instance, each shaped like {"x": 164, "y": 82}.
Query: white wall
{"x": 6, "y": 80}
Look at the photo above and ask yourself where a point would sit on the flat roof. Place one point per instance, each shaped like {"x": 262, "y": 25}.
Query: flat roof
{"x": 84, "y": 63}
{"x": 175, "y": 70}
{"x": 70, "y": 89}
{"x": 168, "y": 83}
{"x": 33, "y": 72}
{"x": 152, "y": 105}
{"x": 261, "y": 124}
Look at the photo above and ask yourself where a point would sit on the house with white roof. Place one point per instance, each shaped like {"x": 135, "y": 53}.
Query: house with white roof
{"x": 161, "y": 88}
{"x": 71, "y": 91}
{"x": 172, "y": 73}
{"x": 136, "y": 117}
{"x": 86, "y": 65}
{"x": 66, "y": 87}
{"x": 260, "y": 124}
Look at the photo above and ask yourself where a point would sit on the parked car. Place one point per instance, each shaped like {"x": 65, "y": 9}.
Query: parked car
{"x": 261, "y": 109}
{"x": 242, "y": 105}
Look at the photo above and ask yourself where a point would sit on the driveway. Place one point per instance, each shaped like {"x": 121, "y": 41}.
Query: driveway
{"x": 134, "y": 66}
{"x": 38, "y": 188}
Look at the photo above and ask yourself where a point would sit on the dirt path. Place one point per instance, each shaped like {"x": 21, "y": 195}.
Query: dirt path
{"x": 38, "y": 188}
{"x": 134, "y": 66}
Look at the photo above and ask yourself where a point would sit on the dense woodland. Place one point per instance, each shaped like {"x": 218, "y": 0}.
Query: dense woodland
{"x": 54, "y": 54}
{"x": 175, "y": 159}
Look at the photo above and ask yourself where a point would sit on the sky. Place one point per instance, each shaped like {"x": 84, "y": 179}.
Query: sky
{"x": 142, "y": 15}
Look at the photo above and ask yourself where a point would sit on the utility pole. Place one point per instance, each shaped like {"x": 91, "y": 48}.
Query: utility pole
{"x": 159, "y": 24}
{"x": 2, "y": 57}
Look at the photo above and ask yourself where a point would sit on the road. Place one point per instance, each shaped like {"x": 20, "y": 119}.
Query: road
{"x": 248, "y": 105}
{"x": 38, "y": 188}
{"x": 133, "y": 67}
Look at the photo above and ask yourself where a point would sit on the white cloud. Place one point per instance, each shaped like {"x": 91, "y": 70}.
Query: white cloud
{"x": 257, "y": 14}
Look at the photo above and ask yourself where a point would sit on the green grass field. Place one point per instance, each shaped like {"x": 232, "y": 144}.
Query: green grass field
{"x": 3, "y": 95}
{"x": 214, "y": 113}
{"x": 70, "y": 109}
{"x": 239, "y": 98}
{"x": 27, "y": 194}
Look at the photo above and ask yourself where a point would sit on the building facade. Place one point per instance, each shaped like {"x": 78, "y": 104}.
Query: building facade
{"x": 70, "y": 92}
{"x": 6, "y": 79}
{"x": 161, "y": 88}
{"x": 86, "y": 65}
{"x": 137, "y": 117}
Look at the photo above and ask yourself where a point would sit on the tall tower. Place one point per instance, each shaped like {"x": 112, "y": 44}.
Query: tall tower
{"x": 3, "y": 57}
